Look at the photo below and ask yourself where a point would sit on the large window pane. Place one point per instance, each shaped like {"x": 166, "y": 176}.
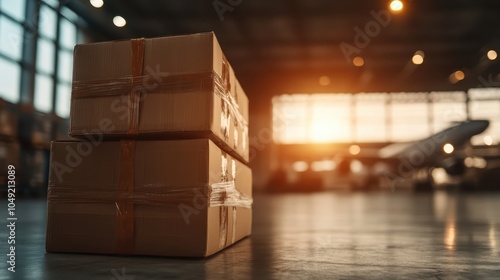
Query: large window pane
{"x": 447, "y": 108}
{"x": 370, "y": 114}
{"x": 47, "y": 24}
{"x": 14, "y": 8}
{"x": 9, "y": 80}
{"x": 314, "y": 118}
{"x": 329, "y": 118}
{"x": 409, "y": 121}
{"x": 45, "y": 56}
{"x": 43, "y": 93}
{"x": 290, "y": 118}
{"x": 11, "y": 38}
{"x": 65, "y": 65}
{"x": 485, "y": 104}
{"x": 63, "y": 101}
{"x": 409, "y": 116}
{"x": 68, "y": 34}
{"x": 69, "y": 14}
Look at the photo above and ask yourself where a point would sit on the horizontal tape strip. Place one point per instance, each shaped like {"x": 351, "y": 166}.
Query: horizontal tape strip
{"x": 201, "y": 82}
{"x": 219, "y": 194}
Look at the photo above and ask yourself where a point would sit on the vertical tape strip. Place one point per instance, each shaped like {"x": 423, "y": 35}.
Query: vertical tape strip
{"x": 223, "y": 214}
{"x": 234, "y": 225}
{"x": 226, "y": 74}
{"x": 223, "y": 223}
{"x": 226, "y": 83}
{"x": 135, "y": 93}
{"x": 125, "y": 210}
{"x": 233, "y": 177}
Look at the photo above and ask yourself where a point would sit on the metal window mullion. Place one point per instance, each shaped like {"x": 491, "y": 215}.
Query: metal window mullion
{"x": 430, "y": 114}
{"x": 389, "y": 118}
{"x": 28, "y": 58}
{"x": 467, "y": 104}
{"x": 57, "y": 49}
{"x": 354, "y": 119}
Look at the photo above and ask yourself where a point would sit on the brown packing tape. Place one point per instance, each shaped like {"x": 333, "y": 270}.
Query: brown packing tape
{"x": 233, "y": 238}
{"x": 226, "y": 74}
{"x": 223, "y": 215}
{"x": 223, "y": 224}
{"x": 134, "y": 96}
{"x": 154, "y": 195}
{"x": 125, "y": 209}
{"x": 218, "y": 194}
{"x": 203, "y": 81}
{"x": 225, "y": 119}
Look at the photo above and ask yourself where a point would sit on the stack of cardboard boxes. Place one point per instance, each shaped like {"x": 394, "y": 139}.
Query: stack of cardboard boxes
{"x": 161, "y": 167}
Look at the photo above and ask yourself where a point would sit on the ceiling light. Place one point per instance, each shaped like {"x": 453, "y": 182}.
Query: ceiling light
{"x": 358, "y": 61}
{"x": 96, "y": 3}
{"x": 396, "y": 6}
{"x": 119, "y": 21}
{"x": 492, "y": 55}
{"x": 457, "y": 76}
{"x": 418, "y": 58}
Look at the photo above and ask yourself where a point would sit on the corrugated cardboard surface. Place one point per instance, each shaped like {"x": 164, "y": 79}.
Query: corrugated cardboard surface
{"x": 161, "y": 229}
{"x": 175, "y": 108}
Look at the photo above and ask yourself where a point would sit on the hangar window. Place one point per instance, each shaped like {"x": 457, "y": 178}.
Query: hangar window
{"x": 485, "y": 104}
{"x": 369, "y": 117}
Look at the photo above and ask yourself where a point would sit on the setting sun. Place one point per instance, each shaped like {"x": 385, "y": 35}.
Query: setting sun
{"x": 324, "y": 130}
{"x": 315, "y": 118}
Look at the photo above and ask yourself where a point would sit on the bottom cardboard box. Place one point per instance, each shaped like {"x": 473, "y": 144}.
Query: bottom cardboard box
{"x": 163, "y": 198}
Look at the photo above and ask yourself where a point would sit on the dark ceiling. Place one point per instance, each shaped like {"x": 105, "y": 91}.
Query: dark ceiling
{"x": 284, "y": 46}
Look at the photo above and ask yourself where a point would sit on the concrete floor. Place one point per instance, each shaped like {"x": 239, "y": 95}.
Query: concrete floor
{"x": 305, "y": 236}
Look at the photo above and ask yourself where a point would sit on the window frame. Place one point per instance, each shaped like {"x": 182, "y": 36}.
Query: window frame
{"x": 31, "y": 35}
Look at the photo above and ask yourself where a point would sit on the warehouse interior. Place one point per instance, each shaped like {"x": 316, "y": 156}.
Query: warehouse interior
{"x": 374, "y": 133}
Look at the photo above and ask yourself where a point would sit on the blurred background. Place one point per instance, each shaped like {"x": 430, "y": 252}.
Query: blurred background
{"x": 344, "y": 95}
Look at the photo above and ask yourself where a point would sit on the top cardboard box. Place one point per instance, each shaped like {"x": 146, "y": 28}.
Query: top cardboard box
{"x": 170, "y": 87}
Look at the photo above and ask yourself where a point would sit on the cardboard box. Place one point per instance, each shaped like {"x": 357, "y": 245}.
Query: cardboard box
{"x": 176, "y": 87}
{"x": 163, "y": 198}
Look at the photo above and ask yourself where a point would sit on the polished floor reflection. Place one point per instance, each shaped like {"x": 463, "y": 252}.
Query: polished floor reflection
{"x": 305, "y": 236}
